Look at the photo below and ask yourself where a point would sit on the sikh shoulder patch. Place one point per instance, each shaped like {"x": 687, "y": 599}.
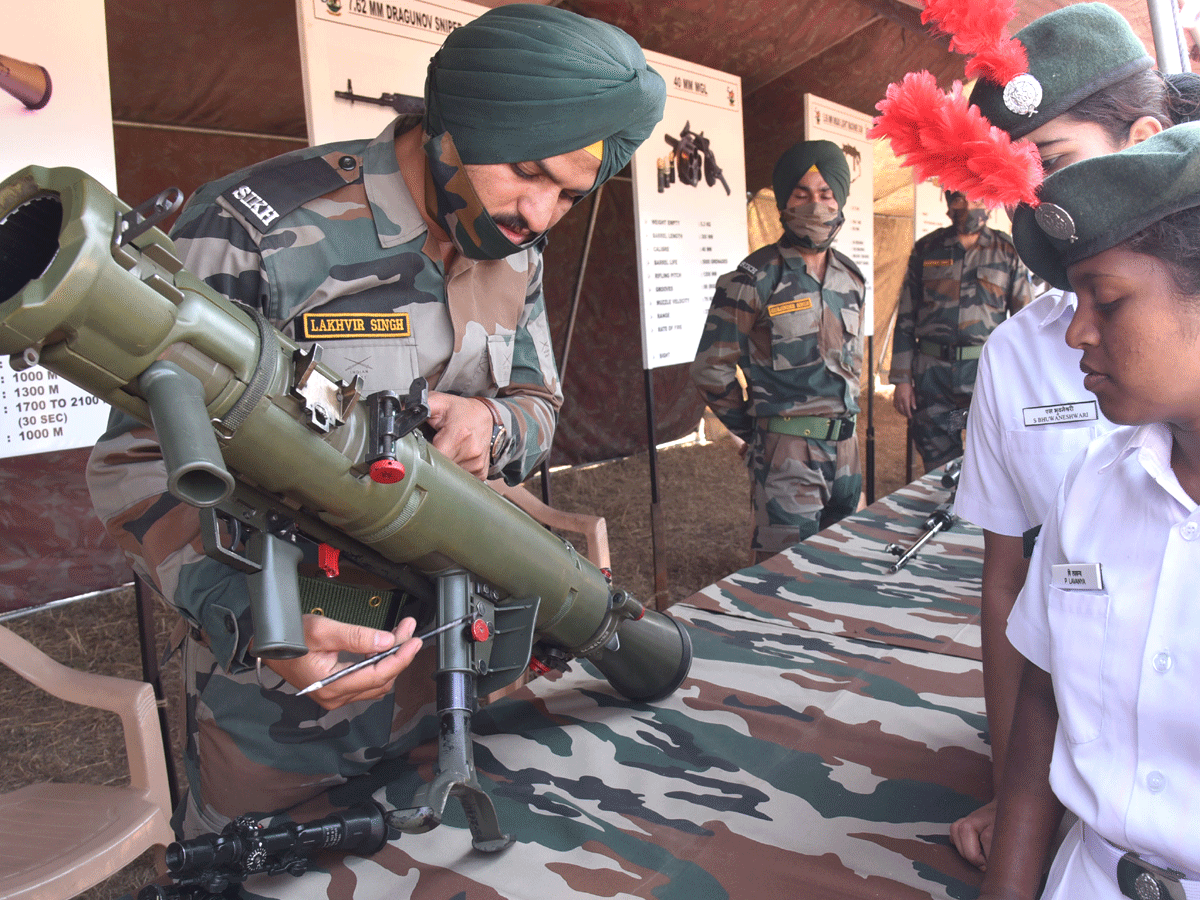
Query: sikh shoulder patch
{"x": 338, "y": 326}
{"x": 798, "y": 305}
{"x": 274, "y": 190}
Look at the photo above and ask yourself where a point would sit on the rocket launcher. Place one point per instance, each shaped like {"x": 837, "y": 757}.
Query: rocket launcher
{"x": 255, "y": 428}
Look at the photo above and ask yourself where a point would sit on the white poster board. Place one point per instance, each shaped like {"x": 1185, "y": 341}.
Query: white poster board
{"x": 929, "y": 211}
{"x": 368, "y": 48}
{"x": 55, "y": 110}
{"x": 690, "y": 220}
{"x": 826, "y": 121}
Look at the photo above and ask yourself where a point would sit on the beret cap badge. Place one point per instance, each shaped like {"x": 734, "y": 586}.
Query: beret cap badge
{"x": 1055, "y": 221}
{"x": 1023, "y": 95}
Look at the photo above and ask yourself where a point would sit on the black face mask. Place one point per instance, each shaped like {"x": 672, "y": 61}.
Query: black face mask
{"x": 968, "y": 221}
{"x": 811, "y": 225}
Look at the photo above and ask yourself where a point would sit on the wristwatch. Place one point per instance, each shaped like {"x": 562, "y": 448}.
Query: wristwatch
{"x": 499, "y": 435}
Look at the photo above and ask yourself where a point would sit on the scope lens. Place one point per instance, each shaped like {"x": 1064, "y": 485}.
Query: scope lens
{"x": 28, "y": 242}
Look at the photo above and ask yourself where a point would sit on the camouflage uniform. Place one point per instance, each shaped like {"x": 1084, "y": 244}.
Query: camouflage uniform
{"x": 950, "y": 302}
{"x": 799, "y": 344}
{"x": 328, "y": 242}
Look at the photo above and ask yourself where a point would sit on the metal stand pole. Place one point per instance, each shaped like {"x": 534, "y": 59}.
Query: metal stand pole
{"x": 657, "y": 527}
{"x": 870, "y": 419}
{"x": 565, "y": 354}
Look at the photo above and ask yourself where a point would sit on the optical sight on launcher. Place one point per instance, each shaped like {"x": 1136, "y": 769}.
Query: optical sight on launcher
{"x": 92, "y": 290}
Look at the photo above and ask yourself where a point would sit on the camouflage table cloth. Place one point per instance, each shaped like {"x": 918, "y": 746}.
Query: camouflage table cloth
{"x": 837, "y": 581}
{"x": 831, "y": 729}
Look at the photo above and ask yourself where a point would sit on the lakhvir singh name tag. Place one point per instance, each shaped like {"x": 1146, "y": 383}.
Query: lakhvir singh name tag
{"x": 330, "y": 326}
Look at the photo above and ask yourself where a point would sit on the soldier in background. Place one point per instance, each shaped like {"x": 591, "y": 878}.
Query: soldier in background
{"x": 790, "y": 317}
{"x": 962, "y": 281}
{"x": 415, "y": 254}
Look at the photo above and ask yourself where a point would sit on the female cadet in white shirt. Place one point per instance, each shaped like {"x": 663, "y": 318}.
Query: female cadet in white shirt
{"x": 1030, "y": 415}
{"x": 1107, "y": 721}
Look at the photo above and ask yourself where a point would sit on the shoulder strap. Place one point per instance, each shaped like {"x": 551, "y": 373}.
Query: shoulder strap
{"x": 268, "y": 194}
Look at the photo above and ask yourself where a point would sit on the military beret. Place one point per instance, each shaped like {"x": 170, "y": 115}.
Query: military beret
{"x": 1095, "y": 204}
{"x": 1073, "y": 53}
{"x": 799, "y": 158}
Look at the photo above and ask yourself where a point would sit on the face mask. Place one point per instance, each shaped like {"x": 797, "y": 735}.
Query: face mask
{"x": 812, "y": 225}
{"x": 968, "y": 221}
{"x": 451, "y": 201}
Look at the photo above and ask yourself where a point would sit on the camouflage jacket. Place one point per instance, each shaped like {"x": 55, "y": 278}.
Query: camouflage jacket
{"x": 956, "y": 296}
{"x": 340, "y": 262}
{"x": 798, "y": 341}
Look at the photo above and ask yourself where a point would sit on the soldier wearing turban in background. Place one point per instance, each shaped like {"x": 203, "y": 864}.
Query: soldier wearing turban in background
{"x": 790, "y": 317}
{"x": 961, "y": 282}
{"x": 416, "y": 254}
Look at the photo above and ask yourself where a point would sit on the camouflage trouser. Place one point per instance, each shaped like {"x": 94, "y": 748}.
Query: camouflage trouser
{"x": 799, "y": 486}
{"x": 260, "y": 749}
{"x": 940, "y": 388}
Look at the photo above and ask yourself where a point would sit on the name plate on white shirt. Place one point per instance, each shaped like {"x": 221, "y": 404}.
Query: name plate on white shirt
{"x": 1079, "y": 411}
{"x": 1077, "y": 577}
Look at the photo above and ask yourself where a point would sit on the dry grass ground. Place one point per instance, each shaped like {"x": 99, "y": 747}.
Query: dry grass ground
{"x": 703, "y": 492}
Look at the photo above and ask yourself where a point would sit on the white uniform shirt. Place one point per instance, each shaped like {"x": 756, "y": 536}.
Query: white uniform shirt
{"x": 1030, "y": 415}
{"x": 1124, "y": 655}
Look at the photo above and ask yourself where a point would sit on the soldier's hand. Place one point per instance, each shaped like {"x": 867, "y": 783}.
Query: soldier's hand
{"x": 463, "y": 431}
{"x": 904, "y": 400}
{"x": 972, "y": 834}
{"x": 327, "y": 639}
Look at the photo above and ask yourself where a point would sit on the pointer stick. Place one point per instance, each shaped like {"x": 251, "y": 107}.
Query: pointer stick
{"x": 329, "y": 679}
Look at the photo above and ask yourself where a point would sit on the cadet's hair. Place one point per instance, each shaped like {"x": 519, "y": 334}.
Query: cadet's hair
{"x": 1171, "y": 99}
{"x": 1176, "y": 241}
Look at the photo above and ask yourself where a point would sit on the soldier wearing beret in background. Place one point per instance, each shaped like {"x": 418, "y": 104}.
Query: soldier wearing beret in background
{"x": 415, "y": 254}
{"x": 1106, "y": 721}
{"x": 790, "y": 317}
{"x": 962, "y": 281}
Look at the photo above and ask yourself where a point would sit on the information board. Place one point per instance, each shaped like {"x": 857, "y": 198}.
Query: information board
{"x": 42, "y": 412}
{"x": 55, "y": 110}
{"x": 826, "y": 121}
{"x": 689, "y": 201}
{"x": 368, "y": 49}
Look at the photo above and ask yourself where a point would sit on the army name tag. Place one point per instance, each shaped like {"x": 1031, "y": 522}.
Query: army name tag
{"x": 334, "y": 326}
{"x": 1077, "y": 577}
{"x": 1079, "y": 411}
{"x": 798, "y": 305}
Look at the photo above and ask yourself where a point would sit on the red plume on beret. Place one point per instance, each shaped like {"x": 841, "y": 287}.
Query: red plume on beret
{"x": 940, "y": 135}
{"x": 977, "y": 29}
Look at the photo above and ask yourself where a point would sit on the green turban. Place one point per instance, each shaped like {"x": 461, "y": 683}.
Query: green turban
{"x": 795, "y": 162}
{"x": 526, "y": 82}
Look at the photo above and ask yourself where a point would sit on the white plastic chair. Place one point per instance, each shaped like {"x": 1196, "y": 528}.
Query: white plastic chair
{"x": 57, "y": 840}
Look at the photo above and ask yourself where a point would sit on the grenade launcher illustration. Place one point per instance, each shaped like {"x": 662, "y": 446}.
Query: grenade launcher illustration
{"x": 691, "y": 158}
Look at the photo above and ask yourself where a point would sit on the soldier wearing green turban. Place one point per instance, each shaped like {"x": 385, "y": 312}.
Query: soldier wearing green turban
{"x": 790, "y": 318}
{"x": 416, "y": 254}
